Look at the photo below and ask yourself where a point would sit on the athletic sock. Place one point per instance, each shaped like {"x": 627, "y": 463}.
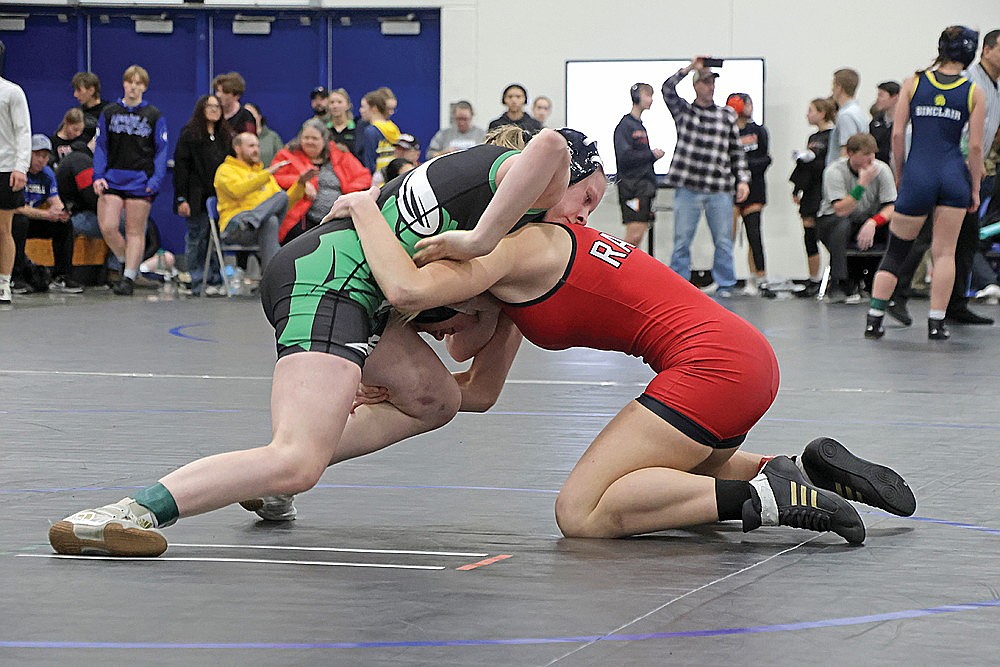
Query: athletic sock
{"x": 158, "y": 500}
{"x": 936, "y": 315}
{"x": 876, "y": 307}
{"x": 130, "y": 273}
{"x": 4, "y": 279}
{"x": 730, "y": 494}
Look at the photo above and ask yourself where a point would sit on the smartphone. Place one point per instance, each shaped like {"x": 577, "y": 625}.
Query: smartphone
{"x": 712, "y": 62}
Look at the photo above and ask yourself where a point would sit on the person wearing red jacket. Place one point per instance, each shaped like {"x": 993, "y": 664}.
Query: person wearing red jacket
{"x": 339, "y": 173}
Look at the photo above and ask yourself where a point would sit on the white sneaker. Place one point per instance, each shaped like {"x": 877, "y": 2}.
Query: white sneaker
{"x": 272, "y": 508}
{"x": 124, "y": 528}
{"x": 750, "y": 289}
{"x": 5, "y": 294}
{"x": 990, "y": 292}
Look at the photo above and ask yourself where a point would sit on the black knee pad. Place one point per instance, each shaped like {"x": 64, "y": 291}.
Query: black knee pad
{"x": 895, "y": 254}
{"x": 809, "y": 236}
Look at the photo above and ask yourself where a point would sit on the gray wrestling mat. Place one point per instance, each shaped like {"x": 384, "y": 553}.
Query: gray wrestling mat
{"x": 443, "y": 550}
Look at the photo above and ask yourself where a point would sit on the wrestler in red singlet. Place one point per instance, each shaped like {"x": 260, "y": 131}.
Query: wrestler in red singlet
{"x": 716, "y": 374}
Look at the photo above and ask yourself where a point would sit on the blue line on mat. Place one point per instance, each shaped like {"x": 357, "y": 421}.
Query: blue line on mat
{"x": 179, "y": 332}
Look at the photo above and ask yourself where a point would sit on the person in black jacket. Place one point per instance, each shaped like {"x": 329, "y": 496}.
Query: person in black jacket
{"x": 75, "y": 178}
{"x": 755, "y": 140}
{"x": 636, "y": 178}
{"x": 807, "y": 184}
{"x": 514, "y": 98}
{"x": 204, "y": 143}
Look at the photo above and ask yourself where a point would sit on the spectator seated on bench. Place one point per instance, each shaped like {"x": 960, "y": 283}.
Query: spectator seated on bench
{"x": 858, "y": 196}
{"x": 43, "y": 216}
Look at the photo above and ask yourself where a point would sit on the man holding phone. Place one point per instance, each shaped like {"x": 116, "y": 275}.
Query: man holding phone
{"x": 708, "y": 168}
{"x": 251, "y": 203}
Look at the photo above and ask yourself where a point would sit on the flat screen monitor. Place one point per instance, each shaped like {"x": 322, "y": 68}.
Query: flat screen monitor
{"x": 597, "y": 96}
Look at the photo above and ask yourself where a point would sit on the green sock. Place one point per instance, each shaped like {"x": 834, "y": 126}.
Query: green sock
{"x": 878, "y": 304}
{"x": 158, "y": 500}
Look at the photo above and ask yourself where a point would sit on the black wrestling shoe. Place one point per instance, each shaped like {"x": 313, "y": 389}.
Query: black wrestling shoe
{"x": 873, "y": 326}
{"x": 124, "y": 287}
{"x": 781, "y": 496}
{"x": 810, "y": 290}
{"x": 966, "y": 316}
{"x": 829, "y": 465}
{"x": 896, "y": 309}
{"x": 936, "y": 330}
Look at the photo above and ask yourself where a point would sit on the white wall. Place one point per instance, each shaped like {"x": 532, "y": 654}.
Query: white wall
{"x": 803, "y": 42}
{"x": 487, "y": 44}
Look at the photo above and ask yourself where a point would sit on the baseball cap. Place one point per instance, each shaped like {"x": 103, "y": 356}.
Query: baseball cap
{"x": 319, "y": 91}
{"x": 702, "y": 74}
{"x": 407, "y": 142}
{"x": 40, "y": 142}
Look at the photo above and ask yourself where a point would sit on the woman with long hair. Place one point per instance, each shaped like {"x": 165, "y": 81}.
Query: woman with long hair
{"x": 934, "y": 178}
{"x": 340, "y": 120}
{"x": 68, "y": 132}
{"x": 205, "y": 141}
{"x": 374, "y": 146}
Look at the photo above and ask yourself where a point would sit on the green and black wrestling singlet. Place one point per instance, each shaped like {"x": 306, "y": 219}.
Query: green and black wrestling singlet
{"x": 319, "y": 293}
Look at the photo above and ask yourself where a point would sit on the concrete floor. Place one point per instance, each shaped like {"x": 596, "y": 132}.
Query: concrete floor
{"x": 104, "y": 395}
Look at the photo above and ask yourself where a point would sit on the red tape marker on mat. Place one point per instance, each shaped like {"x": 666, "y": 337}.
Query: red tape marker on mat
{"x": 482, "y": 563}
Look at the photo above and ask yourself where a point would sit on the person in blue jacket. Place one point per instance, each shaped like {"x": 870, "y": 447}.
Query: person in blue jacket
{"x": 130, "y": 164}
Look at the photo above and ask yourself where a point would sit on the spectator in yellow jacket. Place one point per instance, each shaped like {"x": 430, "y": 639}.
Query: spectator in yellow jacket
{"x": 251, "y": 203}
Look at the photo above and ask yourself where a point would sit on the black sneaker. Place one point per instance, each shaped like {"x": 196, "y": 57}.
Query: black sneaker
{"x": 65, "y": 285}
{"x": 873, "y": 326}
{"x": 781, "y": 496}
{"x": 896, "y": 309}
{"x": 20, "y": 287}
{"x": 810, "y": 290}
{"x": 124, "y": 287}
{"x": 936, "y": 330}
{"x": 829, "y": 465}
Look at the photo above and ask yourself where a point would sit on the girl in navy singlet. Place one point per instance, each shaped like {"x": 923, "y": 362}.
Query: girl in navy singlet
{"x": 939, "y": 102}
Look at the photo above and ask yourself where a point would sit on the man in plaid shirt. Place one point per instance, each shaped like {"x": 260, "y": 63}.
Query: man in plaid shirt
{"x": 707, "y": 166}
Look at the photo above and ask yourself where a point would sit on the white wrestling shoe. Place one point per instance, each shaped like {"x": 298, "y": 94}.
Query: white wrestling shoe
{"x": 124, "y": 528}
{"x": 272, "y": 508}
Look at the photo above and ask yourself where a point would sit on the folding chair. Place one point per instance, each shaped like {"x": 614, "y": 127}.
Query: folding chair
{"x": 215, "y": 245}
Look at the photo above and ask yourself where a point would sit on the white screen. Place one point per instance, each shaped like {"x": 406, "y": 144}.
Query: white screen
{"x": 597, "y": 96}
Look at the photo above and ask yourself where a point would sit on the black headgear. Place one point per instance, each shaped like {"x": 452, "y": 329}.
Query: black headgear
{"x": 583, "y": 156}
{"x": 961, "y": 48}
{"x": 435, "y": 315}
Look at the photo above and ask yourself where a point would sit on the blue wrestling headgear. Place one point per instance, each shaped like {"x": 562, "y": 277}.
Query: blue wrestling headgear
{"x": 435, "y": 315}
{"x": 960, "y": 47}
{"x": 583, "y": 156}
